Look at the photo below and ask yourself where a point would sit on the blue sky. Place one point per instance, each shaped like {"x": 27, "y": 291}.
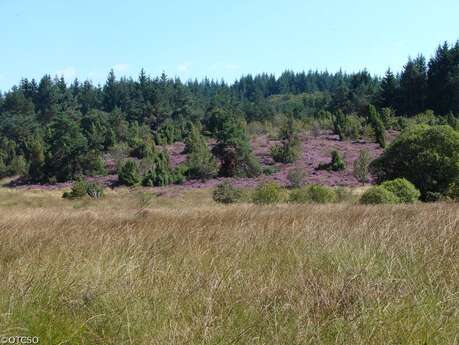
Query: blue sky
{"x": 219, "y": 39}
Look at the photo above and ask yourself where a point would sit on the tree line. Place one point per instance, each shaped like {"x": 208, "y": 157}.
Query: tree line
{"x": 53, "y": 131}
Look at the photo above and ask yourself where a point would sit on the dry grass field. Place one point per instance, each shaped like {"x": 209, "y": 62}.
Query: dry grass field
{"x": 183, "y": 270}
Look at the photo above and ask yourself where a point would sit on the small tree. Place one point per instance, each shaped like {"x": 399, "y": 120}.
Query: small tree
{"x": 128, "y": 173}
{"x": 233, "y": 146}
{"x": 336, "y": 164}
{"x": 288, "y": 150}
{"x": 375, "y": 121}
{"x": 201, "y": 162}
{"x": 159, "y": 173}
{"x": 362, "y": 166}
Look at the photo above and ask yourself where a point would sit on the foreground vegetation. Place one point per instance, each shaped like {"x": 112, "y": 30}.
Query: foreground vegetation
{"x": 132, "y": 269}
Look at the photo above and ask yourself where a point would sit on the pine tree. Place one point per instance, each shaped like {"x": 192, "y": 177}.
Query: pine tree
{"x": 413, "y": 87}
{"x": 200, "y": 162}
{"x": 377, "y": 124}
{"x": 388, "y": 92}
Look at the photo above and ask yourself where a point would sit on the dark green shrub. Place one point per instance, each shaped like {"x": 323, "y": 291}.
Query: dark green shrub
{"x": 336, "y": 164}
{"x": 226, "y": 193}
{"x": 159, "y": 173}
{"x": 453, "y": 191}
{"x": 288, "y": 151}
{"x": 285, "y": 153}
{"x": 128, "y": 173}
{"x": 95, "y": 190}
{"x": 296, "y": 177}
{"x": 426, "y": 156}
{"x": 267, "y": 193}
{"x": 374, "y": 119}
{"x": 200, "y": 161}
{"x": 179, "y": 174}
{"x": 378, "y": 195}
{"x": 403, "y": 189}
{"x": 81, "y": 188}
{"x": 269, "y": 170}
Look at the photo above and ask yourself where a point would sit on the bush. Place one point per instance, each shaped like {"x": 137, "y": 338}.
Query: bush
{"x": 378, "y": 195}
{"x": 289, "y": 150}
{"x": 362, "y": 166}
{"x": 81, "y": 188}
{"x": 313, "y": 194}
{"x": 128, "y": 173}
{"x": 159, "y": 173}
{"x": 296, "y": 177}
{"x": 94, "y": 190}
{"x": 269, "y": 170}
{"x": 299, "y": 196}
{"x": 285, "y": 153}
{"x": 267, "y": 193}
{"x": 403, "y": 189}
{"x": 426, "y": 156}
{"x": 226, "y": 193}
{"x": 321, "y": 194}
{"x": 336, "y": 164}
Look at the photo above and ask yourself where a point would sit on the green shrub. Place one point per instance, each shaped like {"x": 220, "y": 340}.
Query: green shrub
{"x": 94, "y": 190}
{"x": 128, "y": 173}
{"x": 321, "y": 194}
{"x": 362, "y": 166}
{"x": 159, "y": 172}
{"x": 285, "y": 153}
{"x": 313, "y": 194}
{"x": 267, "y": 193}
{"x": 378, "y": 195}
{"x": 403, "y": 189}
{"x": 289, "y": 150}
{"x": 269, "y": 170}
{"x": 81, "y": 188}
{"x": 296, "y": 177}
{"x": 426, "y": 156}
{"x": 374, "y": 119}
{"x": 336, "y": 164}
{"x": 299, "y": 196}
{"x": 226, "y": 193}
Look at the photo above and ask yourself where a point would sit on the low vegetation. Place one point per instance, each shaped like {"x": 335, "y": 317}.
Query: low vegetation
{"x": 184, "y": 270}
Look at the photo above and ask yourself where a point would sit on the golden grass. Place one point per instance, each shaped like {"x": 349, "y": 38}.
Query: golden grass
{"x": 110, "y": 272}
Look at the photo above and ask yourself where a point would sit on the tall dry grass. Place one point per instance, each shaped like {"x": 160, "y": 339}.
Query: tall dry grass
{"x": 231, "y": 275}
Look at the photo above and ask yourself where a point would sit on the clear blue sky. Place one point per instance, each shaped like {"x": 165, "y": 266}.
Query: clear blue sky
{"x": 219, "y": 39}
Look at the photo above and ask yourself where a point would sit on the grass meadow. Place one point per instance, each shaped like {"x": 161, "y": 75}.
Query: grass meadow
{"x": 129, "y": 269}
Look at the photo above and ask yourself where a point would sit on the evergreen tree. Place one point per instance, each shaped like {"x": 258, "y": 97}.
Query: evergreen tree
{"x": 66, "y": 146}
{"x": 200, "y": 162}
{"x": 388, "y": 93}
{"x": 413, "y": 87}
{"x": 378, "y": 126}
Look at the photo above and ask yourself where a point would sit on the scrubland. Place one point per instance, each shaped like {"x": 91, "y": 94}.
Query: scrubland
{"x": 180, "y": 269}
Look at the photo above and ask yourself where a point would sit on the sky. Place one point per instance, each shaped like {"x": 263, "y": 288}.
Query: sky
{"x": 220, "y": 39}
